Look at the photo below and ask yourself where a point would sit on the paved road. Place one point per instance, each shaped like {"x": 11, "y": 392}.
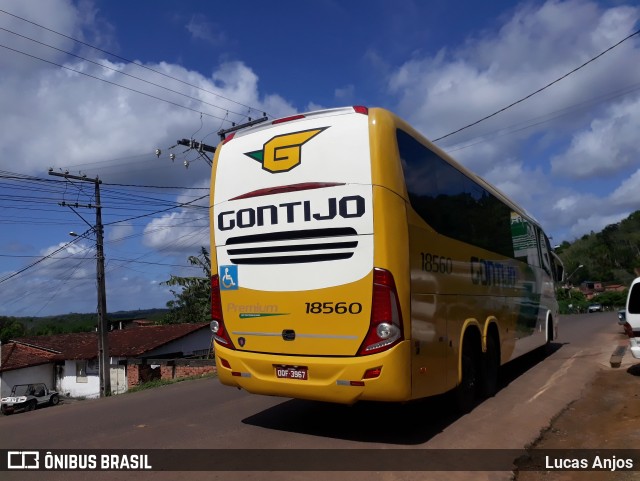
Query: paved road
{"x": 204, "y": 414}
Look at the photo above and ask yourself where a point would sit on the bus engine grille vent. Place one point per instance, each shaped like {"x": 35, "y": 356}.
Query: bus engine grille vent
{"x": 293, "y": 247}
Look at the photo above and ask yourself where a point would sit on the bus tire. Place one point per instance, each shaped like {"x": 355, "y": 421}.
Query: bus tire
{"x": 466, "y": 392}
{"x": 490, "y": 368}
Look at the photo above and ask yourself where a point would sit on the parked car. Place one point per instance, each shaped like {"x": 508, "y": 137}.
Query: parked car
{"x": 622, "y": 317}
{"x": 27, "y": 397}
{"x": 595, "y": 308}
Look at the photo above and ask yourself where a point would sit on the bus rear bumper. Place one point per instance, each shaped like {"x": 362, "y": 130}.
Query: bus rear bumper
{"x": 332, "y": 379}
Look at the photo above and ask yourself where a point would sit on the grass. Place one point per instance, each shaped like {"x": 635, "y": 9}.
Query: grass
{"x": 163, "y": 382}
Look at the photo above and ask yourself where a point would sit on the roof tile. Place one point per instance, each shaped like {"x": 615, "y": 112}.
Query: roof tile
{"x": 122, "y": 343}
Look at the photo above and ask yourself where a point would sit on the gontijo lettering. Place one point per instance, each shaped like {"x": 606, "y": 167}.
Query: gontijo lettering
{"x": 290, "y": 212}
{"x": 492, "y": 273}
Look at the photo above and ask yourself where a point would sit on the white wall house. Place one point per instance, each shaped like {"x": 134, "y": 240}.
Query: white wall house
{"x": 20, "y": 364}
{"x": 80, "y": 378}
{"x": 68, "y": 362}
{"x": 27, "y": 375}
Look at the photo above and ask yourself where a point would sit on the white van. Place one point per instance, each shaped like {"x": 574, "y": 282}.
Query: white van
{"x": 632, "y": 318}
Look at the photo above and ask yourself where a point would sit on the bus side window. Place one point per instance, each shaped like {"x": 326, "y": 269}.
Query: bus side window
{"x": 543, "y": 245}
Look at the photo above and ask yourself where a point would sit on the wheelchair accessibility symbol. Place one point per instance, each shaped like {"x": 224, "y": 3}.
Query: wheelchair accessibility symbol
{"x": 228, "y": 278}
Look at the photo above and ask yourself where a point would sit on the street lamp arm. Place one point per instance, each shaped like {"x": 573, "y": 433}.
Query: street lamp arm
{"x": 571, "y": 275}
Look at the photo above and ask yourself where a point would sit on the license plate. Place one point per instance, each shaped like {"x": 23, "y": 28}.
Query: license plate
{"x": 290, "y": 372}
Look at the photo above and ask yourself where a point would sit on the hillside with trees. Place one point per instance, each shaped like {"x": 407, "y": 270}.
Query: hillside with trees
{"x": 14, "y": 327}
{"x": 611, "y": 256}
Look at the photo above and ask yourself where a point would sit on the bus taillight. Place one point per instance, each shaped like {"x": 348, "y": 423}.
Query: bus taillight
{"x": 385, "y": 327}
{"x": 287, "y": 119}
{"x": 217, "y": 322}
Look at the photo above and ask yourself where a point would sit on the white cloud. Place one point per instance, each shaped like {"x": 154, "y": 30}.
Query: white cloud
{"x": 566, "y": 204}
{"x": 509, "y": 176}
{"x": 88, "y": 120}
{"x": 118, "y": 232}
{"x": 58, "y": 15}
{"x": 608, "y": 145}
{"x": 200, "y": 28}
{"x": 345, "y": 94}
{"x": 595, "y": 223}
{"x": 177, "y": 232}
{"x": 522, "y": 150}
{"x": 58, "y": 117}
{"x": 628, "y": 194}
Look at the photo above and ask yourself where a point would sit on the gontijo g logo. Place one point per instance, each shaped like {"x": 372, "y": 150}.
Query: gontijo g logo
{"x": 283, "y": 152}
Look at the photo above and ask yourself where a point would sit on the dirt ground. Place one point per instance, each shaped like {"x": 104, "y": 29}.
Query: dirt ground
{"x": 606, "y": 416}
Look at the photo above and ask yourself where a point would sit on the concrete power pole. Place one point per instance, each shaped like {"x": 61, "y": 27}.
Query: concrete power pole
{"x": 104, "y": 360}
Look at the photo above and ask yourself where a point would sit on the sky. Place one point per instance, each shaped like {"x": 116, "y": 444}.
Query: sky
{"x": 94, "y": 87}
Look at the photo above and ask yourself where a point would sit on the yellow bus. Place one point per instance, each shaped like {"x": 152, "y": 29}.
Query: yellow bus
{"x": 354, "y": 260}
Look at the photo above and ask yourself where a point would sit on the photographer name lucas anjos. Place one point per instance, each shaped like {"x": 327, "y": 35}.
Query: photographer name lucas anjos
{"x": 596, "y": 463}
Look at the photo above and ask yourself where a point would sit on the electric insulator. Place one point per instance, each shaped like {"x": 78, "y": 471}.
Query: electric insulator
{"x": 158, "y": 152}
{"x": 186, "y": 164}
{"x": 172, "y": 156}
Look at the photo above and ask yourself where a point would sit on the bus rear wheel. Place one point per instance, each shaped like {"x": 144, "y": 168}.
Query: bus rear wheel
{"x": 490, "y": 368}
{"x": 467, "y": 390}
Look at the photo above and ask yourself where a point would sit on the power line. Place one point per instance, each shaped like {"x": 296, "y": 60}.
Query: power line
{"x": 112, "y": 258}
{"x": 61, "y": 285}
{"x": 130, "y": 61}
{"x": 150, "y": 263}
{"x": 539, "y": 90}
{"x": 156, "y": 186}
{"x": 121, "y": 72}
{"x": 534, "y": 122}
{"x": 112, "y": 83}
{"x": 33, "y": 264}
{"x": 160, "y": 211}
{"x": 4, "y": 174}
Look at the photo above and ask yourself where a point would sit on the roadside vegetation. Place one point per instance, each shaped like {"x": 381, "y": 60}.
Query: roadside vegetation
{"x": 610, "y": 256}
{"x": 192, "y": 301}
{"x": 164, "y": 382}
{"x": 574, "y": 301}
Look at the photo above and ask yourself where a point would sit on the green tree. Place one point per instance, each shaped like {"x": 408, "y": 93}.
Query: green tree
{"x": 11, "y": 328}
{"x": 612, "y": 299}
{"x": 192, "y": 303}
{"x": 610, "y": 256}
{"x": 571, "y": 301}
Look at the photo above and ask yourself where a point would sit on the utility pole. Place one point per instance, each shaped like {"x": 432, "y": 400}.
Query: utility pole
{"x": 104, "y": 360}
{"x": 201, "y": 147}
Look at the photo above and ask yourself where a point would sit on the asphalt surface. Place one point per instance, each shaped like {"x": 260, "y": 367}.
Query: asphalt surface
{"x": 203, "y": 414}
